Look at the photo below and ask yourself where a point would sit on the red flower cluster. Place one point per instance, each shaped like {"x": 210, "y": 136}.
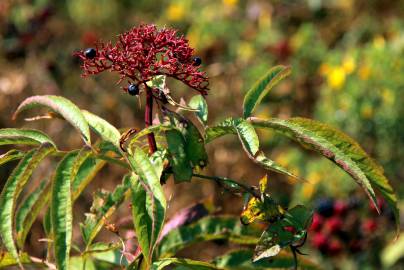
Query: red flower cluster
{"x": 145, "y": 52}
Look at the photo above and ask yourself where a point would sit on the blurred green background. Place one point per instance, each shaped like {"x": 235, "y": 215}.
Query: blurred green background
{"x": 347, "y": 59}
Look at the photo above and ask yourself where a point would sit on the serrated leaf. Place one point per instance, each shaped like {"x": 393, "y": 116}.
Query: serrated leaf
{"x": 261, "y": 88}
{"x": 12, "y": 189}
{"x": 198, "y": 102}
{"x": 179, "y": 161}
{"x": 148, "y": 201}
{"x": 23, "y": 136}
{"x": 339, "y": 148}
{"x": 249, "y": 140}
{"x": 151, "y": 129}
{"x": 61, "y": 209}
{"x": 194, "y": 146}
{"x": 103, "y": 128}
{"x": 206, "y": 229}
{"x": 185, "y": 263}
{"x": 242, "y": 260}
{"x": 67, "y": 109}
{"x": 30, "y": 209}
{"x": 10, "y": 156}
{"x": 104, "y": 205}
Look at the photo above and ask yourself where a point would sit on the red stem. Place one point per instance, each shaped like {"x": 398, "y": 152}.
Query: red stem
{"x": 148, "y": 119}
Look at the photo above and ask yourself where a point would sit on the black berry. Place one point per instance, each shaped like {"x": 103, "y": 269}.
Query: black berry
{"x": 90, "y": 53}
{"x": 197, "y": 61}
{"x": 325, "y": 207}
{"x": 133, "y": 90}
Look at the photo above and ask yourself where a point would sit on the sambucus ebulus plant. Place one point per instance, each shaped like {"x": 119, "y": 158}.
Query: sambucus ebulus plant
{"x": 145, "y": 56}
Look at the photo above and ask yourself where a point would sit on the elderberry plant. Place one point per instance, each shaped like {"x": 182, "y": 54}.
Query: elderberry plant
{"x": 144, "y": 57}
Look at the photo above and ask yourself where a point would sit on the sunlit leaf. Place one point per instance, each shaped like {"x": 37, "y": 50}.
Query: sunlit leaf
{"x": 23, "y": 136}
{"x": 29, "y": 210}
{"x": 104, "y": 129}
{"x": 186, "y": 263}
{"x": 8, "y": 260}
{"x": 339, "y": 148}
{"x": 12, "y": 189}
{"x": 261, "y": 88}
{"x": 151, "y": 129}
{"x": 206, "y": 229}
{"x": 261, "y": 209}
{"x": 62, "y": 106}
{"x": 198, "y": 102}
{"x": 10, "y": 156}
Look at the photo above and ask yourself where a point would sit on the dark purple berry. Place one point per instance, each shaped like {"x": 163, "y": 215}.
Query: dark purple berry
{"x": 197, "y": 61}
{"x": 90, "y": 53}
{"x": 325, "y": 207}
{"x": 133, "y": 90}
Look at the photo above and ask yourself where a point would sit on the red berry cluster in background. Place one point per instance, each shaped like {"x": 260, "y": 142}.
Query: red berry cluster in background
{"x": 346, "y": 226}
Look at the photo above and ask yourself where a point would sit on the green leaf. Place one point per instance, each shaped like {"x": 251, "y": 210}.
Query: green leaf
{"x": 104, "y": 205}
{"x": 255, "y": 95}
{"x": 12, "y": 189}
{"x": 61, "y": 209}
{"x": 249, "y": 140}
{"x": 23, "y": 136}
{"x": 179, "y": 161}
{"x": 261, "y": 209}
{"x": 194, "y": 145}
{"x": 148, "y": 201}
{"x": 393, "y": 252}
{"x": 29, "y": 210}
{"x": 242, "y": 260}
{"x": 339, "y": 148}
{"x": 151, "y": 129}
{"x": 198, "y": 102}
{"x": 8, "y": 260}
{"x": 103, "y": 128}
{"x": 207, "y": 229}
{"x": 10, "y": 156}
{"x": 184, "y": 263}
{"x": 62, "y": 106}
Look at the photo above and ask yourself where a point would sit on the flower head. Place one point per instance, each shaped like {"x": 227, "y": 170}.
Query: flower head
{"x": 145, "y": 52}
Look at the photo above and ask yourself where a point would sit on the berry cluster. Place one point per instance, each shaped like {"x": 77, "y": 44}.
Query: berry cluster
{"x": 143, "y": 53}
{"x": 338, "y": 227}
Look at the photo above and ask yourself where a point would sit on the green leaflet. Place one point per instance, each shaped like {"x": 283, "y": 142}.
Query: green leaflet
{"x": 30, "y": 209}
{"x": 104, "y": 205}
{"x": 177, "y": 155}
{"x": 62, "y": 106}
{"x": 194, "y": 146}
{"x": 206, "y": 229}
{"x": 183, "y": 264}
{"x": 12, "y": 189}
{"x": 148, "y": 130}
{"x": 148, "y": 201}
{"x": 10, "y": 156}
{"x": 198, "y": 102}
{"x": 249, "y": 140}
{"x": 242, "y": 260}
{"x": 255, "y": 95}
{"x": 61, "y": 209}
{"x": 339, "y": 148}
{"x": 103, "y": 128}
{"x": 8, "y": 260}
{"x": 23, "y": 136}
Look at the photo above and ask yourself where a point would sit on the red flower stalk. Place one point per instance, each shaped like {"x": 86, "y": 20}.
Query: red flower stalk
{"x": 145, "y": 52}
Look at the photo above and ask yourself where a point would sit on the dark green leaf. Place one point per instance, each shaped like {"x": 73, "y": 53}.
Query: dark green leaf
{"x": 223, "y": 128}
{"x": 104, "y": 205}
{"x": 198, "y": 102}
{"x": 194, "y": 146}
{"x": 255, "y": 95}
{"x": 12, "y": 189}
{"x": 61, "y": 106}
{"x": 206, "y": 229}
{"x": 61, "y": 209}
{"x": 339, "y": 148}
{"x": 23, "y": 136}
{"x": 148, "y": 201}
{"x": 177, "y": 155}
{"x": 29, "y": 210}
{"x": 104, "y": 129}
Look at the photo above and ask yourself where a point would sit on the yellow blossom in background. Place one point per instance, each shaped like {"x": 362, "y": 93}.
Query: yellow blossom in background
{"x": 364, "y": 72}
{"x": 309, "y": 188}
{"x": 367, "y": 111}
{"x": 245, "y": 51}
{"x": 265, "y": 19}
{"x": 176, "y": 12}
{"x": 349, "y": 64}
{"x": 230, "y": 2}
{"x": 388, "y": 96}
{"x": 324, "y": 69}
{"x": 379, "y": 42}
{"x": 336, "y": 77}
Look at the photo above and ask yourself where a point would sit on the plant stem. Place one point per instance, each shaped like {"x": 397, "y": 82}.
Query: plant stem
{"x": 222, "y": 181}
{"x": 148, "y": 119}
